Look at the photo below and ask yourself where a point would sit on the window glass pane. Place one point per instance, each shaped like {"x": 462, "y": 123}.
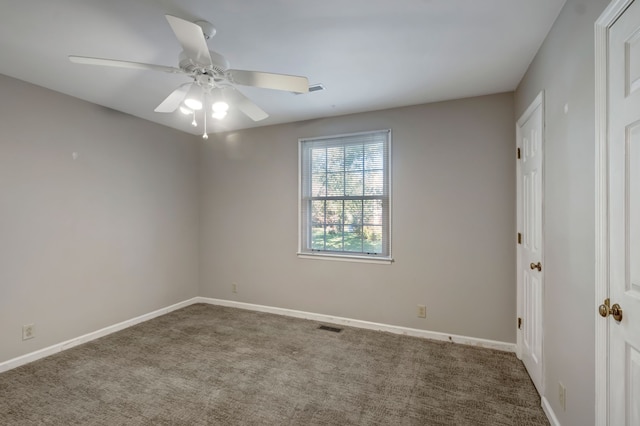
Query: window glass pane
{"x": 335, "y": 159}
{"x": 318, "y": 160}
{"x": 317, "y": 212}
{"x": 373, "y": 183}
{"x": 373, "y": 156}
{"x": 334, "y": 212}
{"x": 372, "y": 239}
{"x": 354, "y": 157}
{"x": 353, "y": 212}
{"x": 317, "y": 237}
{"x": 353, "y": 238}
{"x": 319, "y": 184}
{"x": 335, "y": 184}
{"x": 334, "y": 237}
{"x": 354, "y": 184}
{"x": 372, "y": 212}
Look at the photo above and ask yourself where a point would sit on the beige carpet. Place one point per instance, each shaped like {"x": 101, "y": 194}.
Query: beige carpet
{"x": 208, "y": 365}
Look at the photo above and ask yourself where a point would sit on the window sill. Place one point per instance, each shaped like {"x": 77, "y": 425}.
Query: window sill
{"x": 346, "y": 258}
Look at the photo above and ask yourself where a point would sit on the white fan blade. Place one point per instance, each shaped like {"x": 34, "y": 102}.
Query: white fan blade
{"x": 123, "y": 64}
{"x": 192, "y": 40}
{"x": 172, "y": 102}
{"x": 289, "y": 83}
{"x": 244, "y": 104}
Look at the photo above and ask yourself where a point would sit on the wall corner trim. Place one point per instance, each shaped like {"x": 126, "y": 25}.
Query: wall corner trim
{"x": 414, "y": 332}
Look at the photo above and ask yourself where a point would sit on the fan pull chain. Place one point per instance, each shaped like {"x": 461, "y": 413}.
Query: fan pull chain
{"x": 193, "y": 123}
{"x": 205, "y": 135}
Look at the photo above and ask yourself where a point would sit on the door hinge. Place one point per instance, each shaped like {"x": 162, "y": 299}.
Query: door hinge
{"x": 519, "y": 323}
{"x": 518, "y": 153}
{"x": 519, "y": 238}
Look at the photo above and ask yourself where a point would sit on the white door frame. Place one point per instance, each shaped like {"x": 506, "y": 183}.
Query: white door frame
{"x": 602, "y": 26}
{"x": 537, "y": 102}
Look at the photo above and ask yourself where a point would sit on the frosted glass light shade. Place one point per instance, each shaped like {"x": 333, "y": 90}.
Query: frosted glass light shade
{"x": 220, "y": 107}
{"x": 193, "y": 100}
{"x": 219, "y": 114}
{"x": 194, "y": 104}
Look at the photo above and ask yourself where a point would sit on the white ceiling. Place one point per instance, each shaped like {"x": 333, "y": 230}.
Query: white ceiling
{"x": 370, "y": 54}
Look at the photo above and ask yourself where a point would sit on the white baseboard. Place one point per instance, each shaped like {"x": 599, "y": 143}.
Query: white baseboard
{"x": 546, "y": 407}
{"x": 434, "y": 335}
{"x": 59, "y": 347}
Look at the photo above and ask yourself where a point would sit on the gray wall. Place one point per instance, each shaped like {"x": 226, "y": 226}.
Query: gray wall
{"x": 453, "y": 221}
{"x": 564, "y": 69}
{"x": 88, "y": 243}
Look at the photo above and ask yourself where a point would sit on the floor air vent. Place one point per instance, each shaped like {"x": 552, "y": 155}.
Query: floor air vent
{"x": 327, "y": 328}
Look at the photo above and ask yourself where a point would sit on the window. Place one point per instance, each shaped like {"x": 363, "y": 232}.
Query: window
{"x": 345, "y": 196}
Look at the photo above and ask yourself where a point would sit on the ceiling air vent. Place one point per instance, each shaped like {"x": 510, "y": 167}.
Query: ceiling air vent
{"x": 314, "y": 88}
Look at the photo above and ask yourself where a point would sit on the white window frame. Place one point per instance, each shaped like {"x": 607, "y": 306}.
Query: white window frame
{"x": 304, "y": 253}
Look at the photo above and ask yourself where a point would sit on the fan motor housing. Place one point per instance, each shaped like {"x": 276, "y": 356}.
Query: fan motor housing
{"x": 205, "y": 80}
{"x": 219, "y": 63}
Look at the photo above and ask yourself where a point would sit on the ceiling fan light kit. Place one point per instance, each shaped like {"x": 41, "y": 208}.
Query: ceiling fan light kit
{"x": 193, "y": 100}
{"x": 213, "y": 80}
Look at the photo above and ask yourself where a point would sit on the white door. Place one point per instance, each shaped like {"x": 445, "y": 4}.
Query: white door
{"x": 529, "y": 132}
{"x": 624, "y": 218}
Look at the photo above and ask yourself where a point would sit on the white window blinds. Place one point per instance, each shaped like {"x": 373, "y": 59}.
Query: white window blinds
{"x": 344, "y": 195}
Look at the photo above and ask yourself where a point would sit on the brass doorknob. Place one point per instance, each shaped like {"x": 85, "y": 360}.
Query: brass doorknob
{"x": 537, "y": 266}
{"x": 604, "y": 310}
{"x": 616, "y": 311}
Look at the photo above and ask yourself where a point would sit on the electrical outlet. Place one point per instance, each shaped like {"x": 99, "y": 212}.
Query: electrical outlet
{"x": 28, "y": 332}
{"x": 422, "y": 311}
{"x": 562, "y": 396}
{"x": 234, "y": 288}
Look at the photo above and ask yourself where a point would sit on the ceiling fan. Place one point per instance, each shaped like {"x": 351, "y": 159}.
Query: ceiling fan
{"x": 213, "y": 85}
